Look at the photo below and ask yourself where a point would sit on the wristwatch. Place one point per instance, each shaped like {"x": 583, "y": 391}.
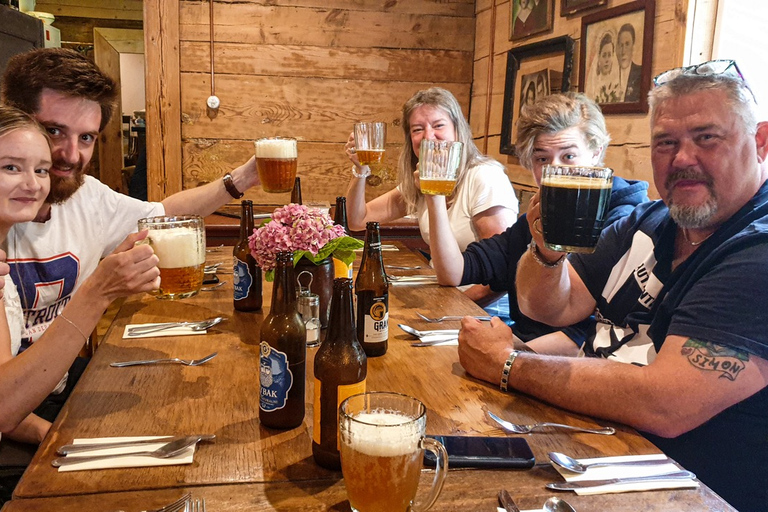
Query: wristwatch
{"x": 537, "y": 256}
{"x": 229, "y": 184}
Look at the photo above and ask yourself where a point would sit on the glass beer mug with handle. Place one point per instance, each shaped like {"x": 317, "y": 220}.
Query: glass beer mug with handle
{"x": 179, "y": 244}
{"x": 370, "y": 139}
{"x": 382, "y": 450}
{"x": 439, "y": 166}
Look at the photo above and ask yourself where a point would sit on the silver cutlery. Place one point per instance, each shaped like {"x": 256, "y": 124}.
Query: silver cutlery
{"x": 571, "y": 464}
{"x": 400, "y": 267}
{"x": 197, "y": 505}
{"x": 85, "y": 447}
{"x": 515, "y": 428}
{"x": 187, "y": 362}
{"x": 450, "y": 317}
{"x": 166, "y": 451}
{"x": 180, "y": 505}
{"x": 432, "y": 343}
{"x": 211, "y": 269}
{"x": 427, "y": 278}
{"x": 506, "y": 501}
{"x": 195, "y": 326}
{"x": 584, "y": 484}
{"x": 554, "y": 504}
{"x": 213, "y": 287}
{"x": 415, "y": 332}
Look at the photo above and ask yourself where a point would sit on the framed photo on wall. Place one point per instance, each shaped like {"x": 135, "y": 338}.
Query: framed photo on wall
{"x": 533, "y": 70}
{"x": 529, "y": 17}
{"x": 568, "y": 7}
{"x": 615, "y": 58}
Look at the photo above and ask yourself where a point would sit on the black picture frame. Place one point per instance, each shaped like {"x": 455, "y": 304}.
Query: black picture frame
{"x": 540, "y": 18}
{"x": 557, "y": 45}
{"x": 569, "y": 7}
{"x": 605, "y": 34}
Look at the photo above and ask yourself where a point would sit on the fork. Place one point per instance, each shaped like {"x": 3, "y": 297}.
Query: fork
{"x": 451, "y": 317}
{"x": 177, "y": 506}
{"x": 197, "y": 505}
{"x": 188, "y": 362}
{"x": 515, "y": 428}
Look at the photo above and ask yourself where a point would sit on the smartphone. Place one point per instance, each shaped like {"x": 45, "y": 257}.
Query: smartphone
{"x": 484, "y": 452}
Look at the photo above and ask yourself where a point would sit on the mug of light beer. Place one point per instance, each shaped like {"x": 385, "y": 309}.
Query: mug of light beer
{"x": 382, "y": 449}
{"x": 179, "y": 244}
{"x": 369, "y": 148}
{"x": 439, "y": 166}
{"x": 276, "y": 161}
{"x": 574, "y": 206}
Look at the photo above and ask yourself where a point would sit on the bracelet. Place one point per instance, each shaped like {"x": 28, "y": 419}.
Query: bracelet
{"x": 70, "y": 322}
{"x": 507, "y": 368}
{"x": 366, "y": 172}
{"x": 229, "y": 184}
{"x": 540, "y": 259}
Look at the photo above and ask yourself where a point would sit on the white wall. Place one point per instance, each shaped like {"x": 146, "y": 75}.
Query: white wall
{"x": 132, "y": 82}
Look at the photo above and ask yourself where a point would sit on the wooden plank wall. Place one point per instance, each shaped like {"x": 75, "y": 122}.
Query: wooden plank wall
{"x": 629, "y": 151}
{"x": 309, "y": 69}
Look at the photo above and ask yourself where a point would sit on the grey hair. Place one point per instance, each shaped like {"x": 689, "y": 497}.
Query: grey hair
{"x": 558, "y": 112}
{"x": 738, "y": 95}
{"x": 443, "y": 99}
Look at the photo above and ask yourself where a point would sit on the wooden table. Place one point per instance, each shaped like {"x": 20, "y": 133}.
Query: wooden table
{"x": 274, "y": 470}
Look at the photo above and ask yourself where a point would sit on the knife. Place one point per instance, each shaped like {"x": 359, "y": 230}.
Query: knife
{"x": 434, "y": 341}
{"x": 87, "y": 447}
{"x": 507, "y": 502}
{"x": 569, "y": 486}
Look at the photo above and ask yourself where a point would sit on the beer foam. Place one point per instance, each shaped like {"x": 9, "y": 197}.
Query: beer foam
{"x": 575, "y": 182}
{"x": 177, "y": 247}
{"x": 276, "y": 148}
{"x": 383, "y": 434}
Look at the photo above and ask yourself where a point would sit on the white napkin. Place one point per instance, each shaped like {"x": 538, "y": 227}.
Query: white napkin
{"x": 413, "y": 280}
{"x": 449, "y": 339}
{"x": 499, "y": 509}
{"x": 126, "y": 462}
{"x": 384, "y": 247}
{"x": 175, "y": 331}
{"x": 606, "y": 472}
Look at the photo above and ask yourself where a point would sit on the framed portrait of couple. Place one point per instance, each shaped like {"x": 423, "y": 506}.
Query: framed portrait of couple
{"x": 615, "y": 58}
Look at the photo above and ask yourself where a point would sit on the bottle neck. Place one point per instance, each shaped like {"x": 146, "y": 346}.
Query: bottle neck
{"x": 372, "y": 250}
{"x": 341, "y": 324}
{"x": 246, "y": 220}
{"x": 340, "y": 216}
{"x": 284, "y": 289}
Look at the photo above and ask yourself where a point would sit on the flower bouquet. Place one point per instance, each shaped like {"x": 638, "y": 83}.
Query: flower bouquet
{"x": 306, "y": 233}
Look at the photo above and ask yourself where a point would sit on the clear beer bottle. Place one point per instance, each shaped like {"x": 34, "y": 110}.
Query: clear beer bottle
{"x": 372, "y": 290}
{"x": 246, "y": 276}
{"x": 296, "y": 192}
{"x": 341, "y": 368}
{"x": 283, "y": 352}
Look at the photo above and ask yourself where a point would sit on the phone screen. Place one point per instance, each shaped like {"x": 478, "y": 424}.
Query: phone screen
{"x": 483, "y": 452}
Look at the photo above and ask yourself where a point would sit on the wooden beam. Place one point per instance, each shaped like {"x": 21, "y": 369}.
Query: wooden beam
{"x": 111, "y": 137}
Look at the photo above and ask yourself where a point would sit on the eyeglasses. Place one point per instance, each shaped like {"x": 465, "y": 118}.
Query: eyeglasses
{"x": 725, "y": 67}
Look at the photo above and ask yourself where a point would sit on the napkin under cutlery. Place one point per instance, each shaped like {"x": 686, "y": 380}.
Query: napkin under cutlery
{"x": 438, "y": 340}
{"x": 126, "y": 462}
{"x": 174, "y": 331}
{"x": 606, "y": 472}
{"x": 412, "y": 280}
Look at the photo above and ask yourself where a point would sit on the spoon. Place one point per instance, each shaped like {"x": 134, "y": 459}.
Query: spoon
{"x": 419, "y": 334}
{"x": 571, "y": 464}
{"x": 557, "y": 505}
{"x": 168, "y": 450}
{"x": 195, "y": 326}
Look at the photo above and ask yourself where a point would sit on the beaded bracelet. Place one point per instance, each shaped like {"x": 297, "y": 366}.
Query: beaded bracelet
{"x": 540, "y": 260}
{"x": 507, "y": 368}
{"x": 366, "y": 171}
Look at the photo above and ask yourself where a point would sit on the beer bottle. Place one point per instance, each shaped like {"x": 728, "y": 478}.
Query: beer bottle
{"x": 372, "y": 292}
{"x": 340, "y": 214}
{"x": 340, "y": 371}
{"x": 283, "y": 351}
{"x": 296, "y": 192}
{"x": 246, "y": 273}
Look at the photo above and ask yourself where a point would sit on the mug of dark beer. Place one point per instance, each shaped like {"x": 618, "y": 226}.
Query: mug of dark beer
{"x": 276, "y": 161}
{"x": 382, "y": 449}
{"x": 574, "y": 206}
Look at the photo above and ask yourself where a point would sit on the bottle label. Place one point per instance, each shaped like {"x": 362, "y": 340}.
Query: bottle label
{"x": 275, "y": 378}
{"x": 343, "y": 392}
{"x": 241, "y": 279}
{"x": 376, "y": 328}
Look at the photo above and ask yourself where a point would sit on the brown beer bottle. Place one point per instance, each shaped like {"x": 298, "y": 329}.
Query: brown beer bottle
{"x": 372, "y": 290}
{"x": 283, "y": 352}
{"x": 340, "y": 214}
{"x": 246, "y": 273}
{"x": 340, "y": 371}
{"x": 296, "y": 192}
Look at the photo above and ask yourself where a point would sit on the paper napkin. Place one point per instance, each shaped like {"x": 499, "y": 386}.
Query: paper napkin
{"x": 175, "y": 331}
{"x": 413, "y": 280}
{"x": 606, "y": 472}
{"x": 126, "y": 462}
{"x": 448, "y": 339}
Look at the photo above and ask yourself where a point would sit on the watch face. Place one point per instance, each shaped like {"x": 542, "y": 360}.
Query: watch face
{"x": 213, "y": 102}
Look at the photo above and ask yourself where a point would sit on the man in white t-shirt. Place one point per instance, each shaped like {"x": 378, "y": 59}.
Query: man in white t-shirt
{"x": 83, "y": 220}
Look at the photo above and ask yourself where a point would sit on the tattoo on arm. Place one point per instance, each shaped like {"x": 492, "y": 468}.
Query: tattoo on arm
{"x": 726, "y": 361}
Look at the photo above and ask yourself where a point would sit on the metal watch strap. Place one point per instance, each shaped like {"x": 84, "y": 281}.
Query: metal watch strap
{"x": 540, "y": 259}
{"x": 507, "y": 368}
{"x": 229, "y": 184}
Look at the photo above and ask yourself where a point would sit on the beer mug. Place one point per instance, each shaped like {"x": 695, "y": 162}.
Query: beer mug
{"x": 276, "y": 161}
{"x": 439, "y": 166}
{"x": 179, "y": 244}
{"x": 382, "y": 448}
{"x": 574, "y": 206}
{"x": 370, "y": 139}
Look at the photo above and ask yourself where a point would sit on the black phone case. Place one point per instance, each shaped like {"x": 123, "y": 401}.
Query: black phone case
{"x": 484, "y": 452}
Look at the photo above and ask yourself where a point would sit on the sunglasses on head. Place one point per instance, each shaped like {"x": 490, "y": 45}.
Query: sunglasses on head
{"x": 724, "y": 67}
